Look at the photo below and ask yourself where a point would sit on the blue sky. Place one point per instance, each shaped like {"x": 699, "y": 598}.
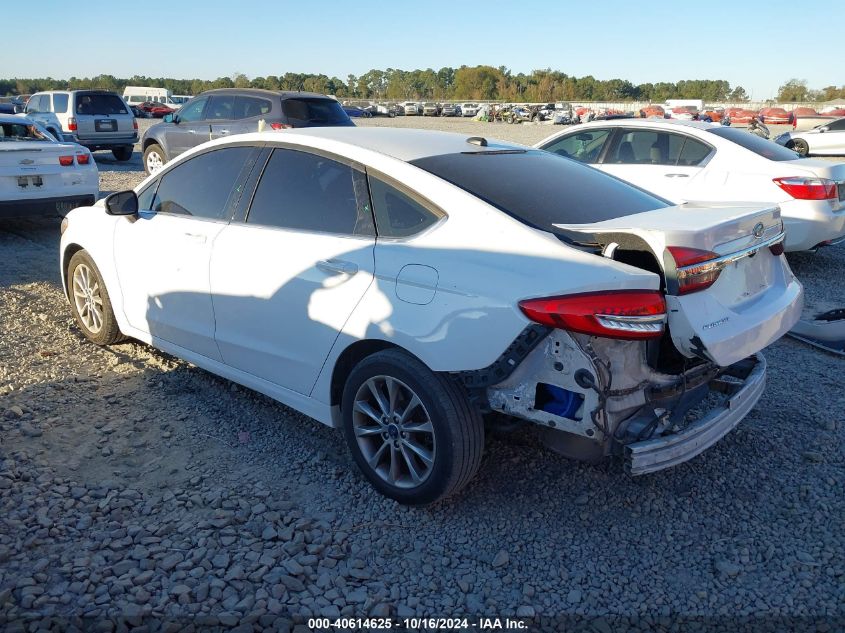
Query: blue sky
{"x": 758, "y": 45}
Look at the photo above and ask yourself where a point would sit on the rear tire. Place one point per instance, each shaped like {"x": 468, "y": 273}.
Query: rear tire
{"x": 122, "y": 153}
{"x": 420, "y": 439}
{"x": 89, "y": 301}
{"x": 154, "y": 159}
{"x": 800, "y": 146}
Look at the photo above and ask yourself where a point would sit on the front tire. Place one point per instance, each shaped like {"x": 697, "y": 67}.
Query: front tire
{"x": 800, "y": 146}
{"x": 122, "y": 153}
{"x": 412, "y": 432}
{"x": 89, "y": 301}
{"x": 154, "y": 159}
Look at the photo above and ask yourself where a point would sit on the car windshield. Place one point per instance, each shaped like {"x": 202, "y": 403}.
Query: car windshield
{"x": 100, "y": 104}
{"x": 20, "y": 132}
{"x": 540, "y": 189}
{"x": 306, "y": 112}
{"x": 753, "y": 143}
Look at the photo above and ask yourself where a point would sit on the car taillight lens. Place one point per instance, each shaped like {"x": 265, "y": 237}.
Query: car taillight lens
{"x": 281, "y": 126}
{"x": 71, "y": 124}
{"x": 65, "y": 161}
{"x": 82, "y": 159}
{"x": 619, "y": 314}
{"x": 134, "y": 124}
{"x": 696, "y": 268}
{"x": 808, "y": 188}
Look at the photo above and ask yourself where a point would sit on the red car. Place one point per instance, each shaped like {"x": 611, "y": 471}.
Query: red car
{"x": 741, "y": 115}
{"x": 776, "y": 116}
{"x": 158, "y": 110}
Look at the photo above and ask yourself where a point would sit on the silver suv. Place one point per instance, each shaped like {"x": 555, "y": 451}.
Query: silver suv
{"x": 97, "y": 119}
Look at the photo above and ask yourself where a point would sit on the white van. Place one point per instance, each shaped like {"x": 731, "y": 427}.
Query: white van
{"x": 133, "y": 95}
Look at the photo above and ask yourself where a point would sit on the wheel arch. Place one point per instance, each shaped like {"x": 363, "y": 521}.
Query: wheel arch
{"x": 70, "y": 250}
{"x": 349, "y": 358}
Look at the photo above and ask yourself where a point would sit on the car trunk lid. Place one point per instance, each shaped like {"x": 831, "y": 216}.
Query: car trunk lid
{"x": 754, "y": 299}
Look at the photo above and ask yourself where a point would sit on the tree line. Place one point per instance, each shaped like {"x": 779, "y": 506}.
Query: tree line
{"x": 466, "y": 82}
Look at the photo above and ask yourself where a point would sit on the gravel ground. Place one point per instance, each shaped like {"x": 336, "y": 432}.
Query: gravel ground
{"x": 136, "y": 486}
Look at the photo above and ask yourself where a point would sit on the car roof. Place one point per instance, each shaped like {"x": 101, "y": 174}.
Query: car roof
{"x": 405, "y": 144}
{"x": 260, "y": 92}
{"x": 664, "y": 123}
{"x": 11, "y": 118}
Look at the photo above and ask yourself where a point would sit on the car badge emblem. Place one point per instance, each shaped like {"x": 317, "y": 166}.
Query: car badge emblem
{"x": 759, "y": 229}
{"x": 27, "y": 161}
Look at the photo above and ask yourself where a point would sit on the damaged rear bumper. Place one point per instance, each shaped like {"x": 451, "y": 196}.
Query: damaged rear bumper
{"x": 742, "y": 393}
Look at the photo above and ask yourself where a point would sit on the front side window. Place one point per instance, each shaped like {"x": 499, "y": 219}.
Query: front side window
{"x": 38, "y": 103}
{"x": 220, "y": 107}
{"x": 584, "y": 147}
{"x": 837, "y": 126}
{"x": 146, "y": 197}
{"x": 193, "y": 111}
{"x": 306, "y": 192}
{"x": 248, "y": 107}
{"x": 398, "y": 214}
{"x": 201, "y": 186}
{"x": 60, "y": 102}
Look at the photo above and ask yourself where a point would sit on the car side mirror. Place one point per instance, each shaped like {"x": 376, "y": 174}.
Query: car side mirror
{"x": 823, "y": 129}
{"x": 170, "y": 118}
{"x": 122, "y": 203}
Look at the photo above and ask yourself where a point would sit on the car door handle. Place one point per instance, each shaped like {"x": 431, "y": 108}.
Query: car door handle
{"x": 337, "y": 267}
{"x": 190, "y": 131}
{"x": 223, "y": 131}
{"x": 676, "y": 175}
{"x": 199, "y": 238}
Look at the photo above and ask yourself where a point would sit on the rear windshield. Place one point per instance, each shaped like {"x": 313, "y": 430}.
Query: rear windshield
{"x": 752, "y": 142}
{"x": 308, "y": 112}
{"x": 541, "y": 189}
{"x": 99, "y": 104}
{"x": 20, "y": 132}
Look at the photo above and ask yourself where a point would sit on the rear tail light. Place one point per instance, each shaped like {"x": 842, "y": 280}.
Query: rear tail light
{"x": 777, "y": 249}
{"x": 82, "y": 159}
{"x": 808, "y": 188}
{"x": 697, "y": 268}
{"x": 65, "y": 161}
{"x": 281, "y": 126}
{"x": 134, "y": 124}
{"x": 619, "y": 314}
{"x": 71, "y": 124}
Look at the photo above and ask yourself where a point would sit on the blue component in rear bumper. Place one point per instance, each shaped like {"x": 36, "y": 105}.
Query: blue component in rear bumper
{"x": 649, "y": 456}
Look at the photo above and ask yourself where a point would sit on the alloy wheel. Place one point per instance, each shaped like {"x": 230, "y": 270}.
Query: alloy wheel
{"x": 394, "y": 431}
{"x": 87, "y": 298}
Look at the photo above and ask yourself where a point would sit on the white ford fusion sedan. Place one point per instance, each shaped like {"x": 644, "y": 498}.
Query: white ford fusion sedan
{"x": 400, "y": 284}
{"x": 686, "y": 161}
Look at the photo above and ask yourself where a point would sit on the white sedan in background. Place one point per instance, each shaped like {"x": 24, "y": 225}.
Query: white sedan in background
{"x": 825, "y": 139}
{"x": 686, "y": 161}
{"x": 39, "y": 175}
{"x": 390, "y": 282}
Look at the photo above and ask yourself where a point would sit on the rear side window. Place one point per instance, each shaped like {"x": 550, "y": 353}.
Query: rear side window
{"x": 753, "y": 143}
{"x": 201, "y": 186}
{"x": 248, "y": 107}
{"x": 94, "y": 104}
{"x": 308, "y": 112}
{"x": 20, "y": 132}
{"x": 221, "y": 107}
{"x": 306, "y": 192}
{"x": 693, "y": 153}
{"x": 584, "y": 147}
{"x": 646, "y": 147}
{"x": 60, "y": 103}
{"x": 541, "y": 189}
{"x": 398, "y": 214}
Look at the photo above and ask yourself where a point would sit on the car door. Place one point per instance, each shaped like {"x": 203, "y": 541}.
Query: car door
{"x": 248, "y": 112}
{"x": 189, "y": 128}
{"x": 163, "y": 254}
{"x": 663, "y": 162}
{"x": 285, "y": 280}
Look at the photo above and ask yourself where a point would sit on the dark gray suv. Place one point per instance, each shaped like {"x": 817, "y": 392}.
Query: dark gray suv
{"x": 227, "y": 111}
